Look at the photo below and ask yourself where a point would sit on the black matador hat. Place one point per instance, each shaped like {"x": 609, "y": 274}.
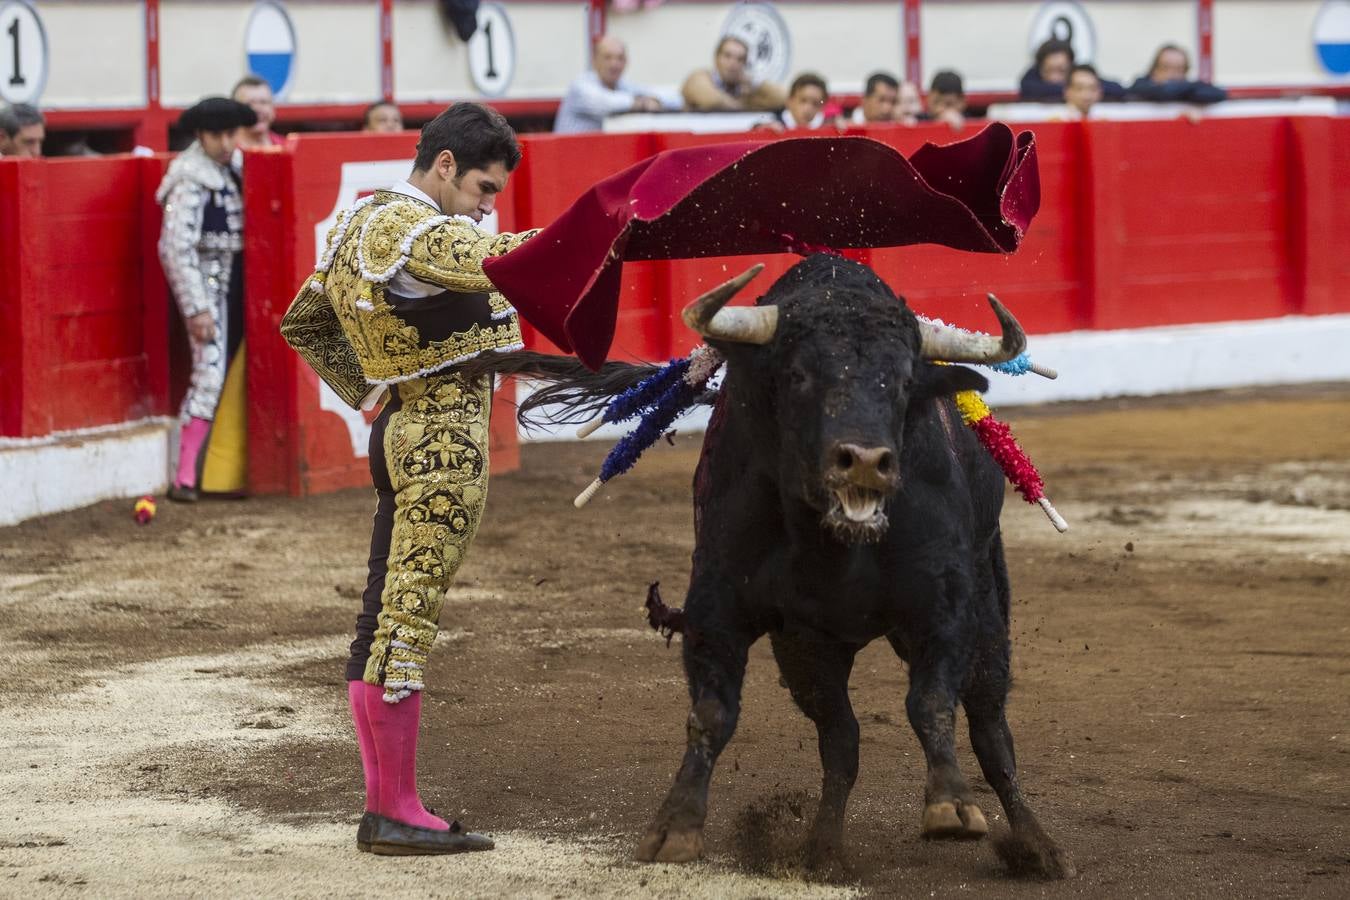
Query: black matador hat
{"x": 217, "y": 114}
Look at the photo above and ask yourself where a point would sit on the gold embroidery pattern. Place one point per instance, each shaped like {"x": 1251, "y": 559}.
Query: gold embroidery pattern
{"x": 386, "y": 235}
{"x": 452, "y": 254}
{"x": 436, "y": 450}
{"x": 400, "y": 233}
{"x": 312, "y": 328}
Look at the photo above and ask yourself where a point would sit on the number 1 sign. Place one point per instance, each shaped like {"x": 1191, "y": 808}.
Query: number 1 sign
{"x": 492, "y": 51}
{"x": 23, "y": 53}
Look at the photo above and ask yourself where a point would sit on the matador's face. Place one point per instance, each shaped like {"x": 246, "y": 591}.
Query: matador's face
{"x": 473, "y": 193}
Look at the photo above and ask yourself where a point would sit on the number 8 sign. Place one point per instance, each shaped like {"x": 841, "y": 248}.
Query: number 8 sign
{"x": 23, "y": 52}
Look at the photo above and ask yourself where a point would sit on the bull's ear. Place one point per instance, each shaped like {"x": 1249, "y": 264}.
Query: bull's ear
{"x": 943, "y": 381}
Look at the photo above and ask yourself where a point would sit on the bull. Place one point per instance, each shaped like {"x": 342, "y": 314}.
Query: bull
{"x": 839, "y": 501}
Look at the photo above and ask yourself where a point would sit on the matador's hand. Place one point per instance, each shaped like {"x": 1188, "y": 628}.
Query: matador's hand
{"x": 202, "y": 328}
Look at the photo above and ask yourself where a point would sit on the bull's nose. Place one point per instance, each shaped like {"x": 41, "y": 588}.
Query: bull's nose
{"x": 869, "y": 467}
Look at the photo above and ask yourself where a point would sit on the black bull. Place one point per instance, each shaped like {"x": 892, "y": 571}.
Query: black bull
{"x": 839, "y": 499}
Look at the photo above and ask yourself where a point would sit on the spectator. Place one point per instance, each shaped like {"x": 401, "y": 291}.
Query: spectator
{"x": 254, "y": 92}
{"x": 201, "y": 249}
{"x": 910, "y": 105}
{"x": 1048, "y": 75}
{"x": 1166, "y": 81}
{"x": 881, "y": 95}
{"x": 603, "y": 91}
{"x": 946, "y": 99}
{"x": 9, "y": 126}
{"x": 382, "y": 118}
{"x": 1045, "y": 81}
{"x": 1083, "y": 89}
{"x": 22, "y": 131}
{"x": 805, "y": 103}
{"x": 728, "y": 85}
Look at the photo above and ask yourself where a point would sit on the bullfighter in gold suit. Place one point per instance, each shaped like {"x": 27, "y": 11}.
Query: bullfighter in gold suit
{"x": 397, "y": 301}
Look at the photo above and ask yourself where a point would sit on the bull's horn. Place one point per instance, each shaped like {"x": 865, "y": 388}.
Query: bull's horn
{"x": 955, "y": 345}
{"x": 741, "y": 324}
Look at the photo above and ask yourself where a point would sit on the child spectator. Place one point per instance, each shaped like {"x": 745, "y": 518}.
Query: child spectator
{"x": 806, "y": 102}
{"x": 946, "y": 99}
{"x": 1083, "y": 90}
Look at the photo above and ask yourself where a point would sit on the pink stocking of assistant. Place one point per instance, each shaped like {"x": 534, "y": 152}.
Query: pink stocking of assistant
{"x": 393, "y": 729}
{"x": 366, "y": 741}
{"x": 189, "y": 448}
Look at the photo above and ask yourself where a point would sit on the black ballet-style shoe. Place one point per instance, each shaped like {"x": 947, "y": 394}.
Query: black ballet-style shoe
{"x": 363, "y": 832}
{"x": 183, "y": 494}
{"x": 390, "y": 838}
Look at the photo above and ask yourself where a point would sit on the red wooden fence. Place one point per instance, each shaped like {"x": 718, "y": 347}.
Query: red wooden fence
{"x": 1141, "y": 224}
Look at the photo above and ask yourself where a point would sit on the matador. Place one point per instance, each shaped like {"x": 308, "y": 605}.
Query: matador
{"x": 398, "y": 300}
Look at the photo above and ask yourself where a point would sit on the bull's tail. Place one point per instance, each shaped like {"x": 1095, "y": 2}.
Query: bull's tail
{"x": 568, "y": 392}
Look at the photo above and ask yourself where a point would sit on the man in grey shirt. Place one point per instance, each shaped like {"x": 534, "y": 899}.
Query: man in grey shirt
{"x": 603, "y": 91}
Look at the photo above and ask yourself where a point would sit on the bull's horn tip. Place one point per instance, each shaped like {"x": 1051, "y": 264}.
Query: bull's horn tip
{"x": 1044, "y": 371}
{"x": 585, "y": 496}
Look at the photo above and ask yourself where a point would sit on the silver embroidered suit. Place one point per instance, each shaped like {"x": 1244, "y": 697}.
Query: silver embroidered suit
{"x": 201, "y": 236}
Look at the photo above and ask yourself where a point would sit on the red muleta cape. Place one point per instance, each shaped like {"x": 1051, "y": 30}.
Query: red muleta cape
{"x": 979, "y": 194}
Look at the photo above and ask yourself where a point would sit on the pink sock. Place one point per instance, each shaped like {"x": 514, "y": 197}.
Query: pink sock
{"x": 189, "y": 448}
{"x": 366, "y": 741}
{"x": 393, "y": 729}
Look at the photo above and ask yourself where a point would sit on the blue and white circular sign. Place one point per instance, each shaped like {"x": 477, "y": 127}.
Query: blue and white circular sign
{"x": 269, "y": 43}
{"x": 23, "y": 53}
{"x": 1331, "y": 36}
{"x": 1064, "y": 20}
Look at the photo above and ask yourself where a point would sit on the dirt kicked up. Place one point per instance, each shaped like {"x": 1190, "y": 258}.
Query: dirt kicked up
{"x": 173, "y": 720}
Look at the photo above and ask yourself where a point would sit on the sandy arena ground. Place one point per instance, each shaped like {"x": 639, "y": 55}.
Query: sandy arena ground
{"x": 173, "y": 718}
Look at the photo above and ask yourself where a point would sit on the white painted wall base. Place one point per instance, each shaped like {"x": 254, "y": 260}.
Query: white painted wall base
{"x": 39, "y": 476}
{"x": 1094, "y": 365}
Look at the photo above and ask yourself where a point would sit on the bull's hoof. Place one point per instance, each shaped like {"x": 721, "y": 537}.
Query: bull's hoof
{"x": 670, "y": 845}
{"x": 954, "y": 821}
{"x": 1030, "y": 853}
{"x": 825, "y": 859}
{"x": 973, "y": 820}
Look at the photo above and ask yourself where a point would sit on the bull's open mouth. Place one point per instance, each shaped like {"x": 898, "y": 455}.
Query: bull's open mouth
{"x": 856, "y": 514}
{"x": 858, "y": 504}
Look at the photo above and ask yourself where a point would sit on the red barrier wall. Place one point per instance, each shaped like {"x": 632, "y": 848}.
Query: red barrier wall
{"x": 1141, "y": 224}
{"x": 83, "y": 307}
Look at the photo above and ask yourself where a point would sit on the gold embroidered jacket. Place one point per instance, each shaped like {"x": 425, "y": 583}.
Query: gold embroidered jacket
{"x": 357, "y": 334}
